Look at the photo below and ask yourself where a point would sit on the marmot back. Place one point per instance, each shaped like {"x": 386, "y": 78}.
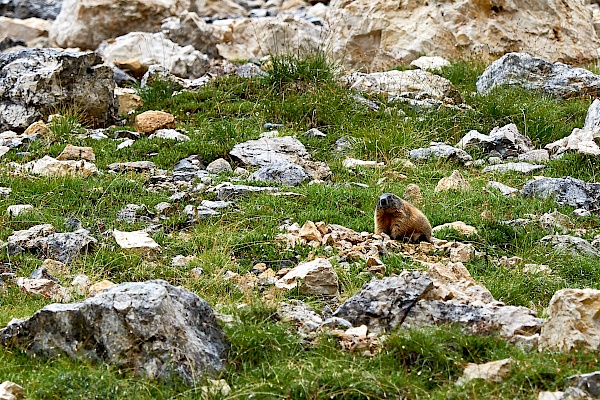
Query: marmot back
{"x": 400, "y": 219}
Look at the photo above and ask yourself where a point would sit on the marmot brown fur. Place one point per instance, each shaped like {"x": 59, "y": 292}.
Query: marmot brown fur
{"x": 400, "y": 219}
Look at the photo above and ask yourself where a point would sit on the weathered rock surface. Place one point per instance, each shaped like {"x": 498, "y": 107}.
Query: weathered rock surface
{"x": 440, "y": 150}
{"x": 411, "y": 84}
{"x": 218, "y": 166}
{"x": 29, "y": 90}
{"x": 566, "y": 191}
{"x": 453, "y": 182}
{"x": 86, "y": 23}
{"x": 155, "y": 49}
{"x": 283, "y": 172}
{"x": 430, "y": 63}
{"x": 523, "y": 70}
{"x": 573, "y": 320}
{"x": 502, "y": 188}
{"x": 11, "y": 391}
{"x": 137, "y": 166}
{"x": 43, "y": 287}
{"x": 570, "y": 245}
{"x": 522, "y": 167}
{"x": 584, "y": 140}
{"x": 264, "y": 151}
{"x": 65, "y": 247}
{"x": 169, "y": 134}
{"x": 153, "y": 328}
{"x": 248, "y": 38}
{"x": 505, "y": 141}
{"x": 315, "y": 277}
{"x": 18, "y": 209}
{"x": 151, "y": 121}
{"x": 228, "y": 191}
{"x": 23, "y": 29}
{"x": 382, "y": 34}
{"x": 382, "y": 305}
{"x": 44, "y": 9}
{"x": 71, "y": 152}
{"x": 589, "y": 383}
{"x": 493, "y": 371}
{"x": 137, "y": 240}
{"x": 189, "y": 29}
{"x": 48, "y": 166}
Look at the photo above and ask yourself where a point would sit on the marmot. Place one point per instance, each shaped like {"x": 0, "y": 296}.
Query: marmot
{"x": 400, "y": 219}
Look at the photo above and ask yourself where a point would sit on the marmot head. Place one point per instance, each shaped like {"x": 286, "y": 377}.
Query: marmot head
{"x": 388, "y": 201}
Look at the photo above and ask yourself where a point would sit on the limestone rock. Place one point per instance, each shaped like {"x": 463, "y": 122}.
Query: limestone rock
{"x": 138, "y": 240}
{"x": 86, "y": 85}
{"x": 11, "y": 391}
{"x": 65, "y": 247}
{"x": 37, "y": 128}
{"x": 555, "y": 221}
{"x": 151, "y": 121}
{"x": 535, "y": 156}
{"x": 440, "y": 150}
{"x": 43, "y": 287}
{"x": 301, "y": 315}
{"x": 23, "y": 29}
{"x": 264, "y": 151}
{"x": 584, "y": 140}
{"x": 283, "y": 172}
{"x": 44, "y": 9}
{"x": 127, "y": 100}
{"x": 18, "y": 209}
{"x": 48, "y": 166}
{"x": 152, "y": 328}
{"x": 189, "y": 29}
{"x": 383, "y": 34}
{"x": 86, "y": 23}
{"x": 522, "y": 167}
{"x": 502, "y": 188}
{"x": 589, "y": 383}
{"x": 248, "y": 38}
{"x": 411, "y": 84}
{"x": 169, "y": 134}
{"x": 571, "y": 245}
{"x": 100, "y": 287}
{"x": 71, "y": 152}
{"x": 523, "y": 70}
{"x": 453, "y": 182}
{"x": 219, "y": 166}
{"x": 494, "y": 371}
{"x": 573, "y": 320}
{"x": 412, "y": 194}
{"x": 318, "y": 170}
{"x": 219, "y": 9}
{"x": 137, "y": 166}
{"x": 352, "y": 163}
{"x": 382, "y": 305}
{"x": 506, "y": 141}
{"x": 315, "y": 277}
{"x": 458, "y": 226}
{"x": 566, "y": 191}
{"x": 430, "y": 63}
{"x": 155, "y": 49}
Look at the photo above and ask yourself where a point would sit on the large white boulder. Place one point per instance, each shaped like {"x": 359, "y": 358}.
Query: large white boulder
{"x": 381, "y": 34}
{"x": 86, "y": 23}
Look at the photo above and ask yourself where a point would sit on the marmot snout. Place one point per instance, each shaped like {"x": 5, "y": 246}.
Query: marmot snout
{"x": 400, "y": 219}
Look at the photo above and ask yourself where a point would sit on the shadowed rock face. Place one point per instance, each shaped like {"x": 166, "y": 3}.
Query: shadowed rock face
{"x": 44, "y": 9}
{"x": 34, "y": 83}
{"x": 154, "y": 328}
{"x": 568, "y": 190}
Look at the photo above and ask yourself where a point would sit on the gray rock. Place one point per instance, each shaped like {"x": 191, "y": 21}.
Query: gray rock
{"x": 216, "y": 205}
{"x": 440, "y": 150}
{"x": 65, "y": 247}
{"x": 502, "y": 188}
{"x": 570, "y": 245}
{"x": 169, "y": 134}
{"x": 22, "y": 9}
{"x": 477, "y": 318}
{"x": 29, "y": 239}
{"x": 314, "y": 133}
{"x": 264, "y": 151}
{"x": 580, "y": 212}
{"x": 506, "y": 141}
{"x": 137, "y": 166}
{"x": 218, "y": 166}
{"x": 190, "y": 29}
{"x": 131, "y": 212}
{"x": 228, "y": 191}
{"x": 383, "y": 304}
{"x": 194, "y": 213}
{"x": 514, "y": 166}
{"x": 566, "y": 191}
{"x": 589, "y": 383}
{"x": 283, "y": 172}
{"x": 187, "y": 169}
{"x": 153, "y": 328}
{"x": 5, "y": 191}
{"x": 535, "y": 156}
{"x": 85, "y": 83}
{"x": 523, "y": 70}
{"x": 301, "y": 315}
{"x": 342, "y": 145}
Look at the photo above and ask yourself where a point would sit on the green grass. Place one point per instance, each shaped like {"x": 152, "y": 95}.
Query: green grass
{"x": 268, "y": 360}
